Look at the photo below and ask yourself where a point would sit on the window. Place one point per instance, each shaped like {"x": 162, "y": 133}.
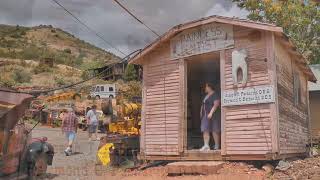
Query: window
{"x": 110, "y": 89}
{"x": 97, "y": 89}
{"x": 101, "y": 88}
{"x": 296, "y": 89}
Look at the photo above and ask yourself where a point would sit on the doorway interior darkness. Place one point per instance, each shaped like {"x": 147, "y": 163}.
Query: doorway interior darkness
{"x": 200, "y": 69}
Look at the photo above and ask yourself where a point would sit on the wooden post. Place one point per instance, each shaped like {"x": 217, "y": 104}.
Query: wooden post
{"x": 222, "y": 84}
{"x": 272, "y": 72}
{"x": 309, "y": 121}
{"x": 143, "y": 113}
{"x": 183, "y": 105}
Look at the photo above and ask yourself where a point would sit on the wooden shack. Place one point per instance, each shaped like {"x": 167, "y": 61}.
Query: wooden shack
{"x": 114, "y": 71}
{"x": 263, "y": 87}
{"x": 314, "y": 96}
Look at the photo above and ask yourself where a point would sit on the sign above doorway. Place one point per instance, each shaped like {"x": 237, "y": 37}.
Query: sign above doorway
{"x": 252, "y": 95}
{"x": 203, "y": 39}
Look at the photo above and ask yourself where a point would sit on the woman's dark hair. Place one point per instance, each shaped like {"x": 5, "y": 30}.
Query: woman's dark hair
{"x": 210, "y": 85}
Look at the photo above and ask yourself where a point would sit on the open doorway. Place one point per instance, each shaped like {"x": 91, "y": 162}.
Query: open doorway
{"x": 200, "y": 69}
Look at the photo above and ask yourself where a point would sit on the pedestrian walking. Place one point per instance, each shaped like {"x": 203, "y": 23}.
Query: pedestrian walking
{"x": 92, "y": 120}
{"x": 69, "y": 128}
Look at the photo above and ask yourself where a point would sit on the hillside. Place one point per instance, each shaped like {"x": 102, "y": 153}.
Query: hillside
{"x": 22, "y": 48}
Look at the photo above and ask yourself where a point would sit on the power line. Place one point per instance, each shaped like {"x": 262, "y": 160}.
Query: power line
{"x": 136, "y": 18}
{"x": 90, "y": 29}
{"x": 126, "y": 58}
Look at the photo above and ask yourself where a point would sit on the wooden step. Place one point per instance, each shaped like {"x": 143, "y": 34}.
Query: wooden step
{"x": 194, "y": 167}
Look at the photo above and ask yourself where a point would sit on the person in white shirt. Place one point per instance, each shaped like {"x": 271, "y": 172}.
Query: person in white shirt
{"x": 92, "y": 120}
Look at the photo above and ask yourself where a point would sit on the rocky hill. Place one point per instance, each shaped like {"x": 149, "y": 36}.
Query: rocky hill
{"x": 22, "y": 49}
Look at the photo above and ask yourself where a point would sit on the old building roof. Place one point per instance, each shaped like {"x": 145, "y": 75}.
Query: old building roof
{"x": 316, "y": 71}
{"x": 12, "y": 107}
{"x": 228, "y": 20}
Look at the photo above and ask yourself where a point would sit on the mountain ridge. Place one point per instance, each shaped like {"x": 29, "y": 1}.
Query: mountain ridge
{"x": 46, "y": 42}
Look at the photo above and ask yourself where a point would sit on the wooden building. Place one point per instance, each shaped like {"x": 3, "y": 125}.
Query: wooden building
{"x": 114, "y": 71}
{"x": 314, "y": 96}
{"x": 263, "y": 84}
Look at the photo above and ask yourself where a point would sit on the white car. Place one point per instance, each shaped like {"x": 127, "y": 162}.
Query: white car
{"x": 103, "y": 91}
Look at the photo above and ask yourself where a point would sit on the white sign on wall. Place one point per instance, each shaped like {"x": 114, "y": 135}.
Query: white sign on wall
{"x": 203, "y": 39}
{"x": 252, "y": 95}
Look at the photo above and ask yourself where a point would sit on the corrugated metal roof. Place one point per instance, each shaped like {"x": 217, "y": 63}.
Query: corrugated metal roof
{"x": 316, "y": 71}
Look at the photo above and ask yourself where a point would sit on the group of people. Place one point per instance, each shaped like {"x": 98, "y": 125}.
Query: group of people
{"x": 209, "y": 115}
{"x": 69, "y": 125}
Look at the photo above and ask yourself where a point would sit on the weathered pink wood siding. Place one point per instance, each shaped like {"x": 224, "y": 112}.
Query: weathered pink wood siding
{"x": 162, "y": 106}
{"x": 293, "y": 119}
{"x": 247, "y": 128}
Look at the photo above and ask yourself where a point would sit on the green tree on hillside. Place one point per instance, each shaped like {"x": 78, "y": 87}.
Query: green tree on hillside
{"x": 301, "y": 22}
{"x": 130, "y": 73}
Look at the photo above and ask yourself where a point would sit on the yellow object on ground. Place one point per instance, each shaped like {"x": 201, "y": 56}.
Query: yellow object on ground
{"x": 104, "y": 155}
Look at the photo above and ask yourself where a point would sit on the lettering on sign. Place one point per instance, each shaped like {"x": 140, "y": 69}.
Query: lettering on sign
{"x": 252, "y": 95}
{"x": 203, "y": 39}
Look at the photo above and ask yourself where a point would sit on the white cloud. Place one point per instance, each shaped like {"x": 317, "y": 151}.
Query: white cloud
{"x": 235, "y": 11}
{"x": 116, "y": 26}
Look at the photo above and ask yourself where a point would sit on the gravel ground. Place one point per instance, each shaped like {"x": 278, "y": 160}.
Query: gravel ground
{"x": 77, "y": 166}
{"x": 82, "y": 164}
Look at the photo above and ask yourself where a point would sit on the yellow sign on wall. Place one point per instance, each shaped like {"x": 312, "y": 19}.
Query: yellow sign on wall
{"x": 104, "y": 153}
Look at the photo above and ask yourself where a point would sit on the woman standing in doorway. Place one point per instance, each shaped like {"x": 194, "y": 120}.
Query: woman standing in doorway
{"x": 210, "y": 117}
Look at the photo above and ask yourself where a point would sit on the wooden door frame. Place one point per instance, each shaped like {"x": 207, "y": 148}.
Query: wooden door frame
{"x": 222, "y": 89}
{"x": 183, "y": 69}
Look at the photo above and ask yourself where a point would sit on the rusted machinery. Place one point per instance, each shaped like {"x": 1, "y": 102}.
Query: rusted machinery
{"x": 128, "y": 118}
{"x": 123, "y": 131}
{"x": 63, "y": 96}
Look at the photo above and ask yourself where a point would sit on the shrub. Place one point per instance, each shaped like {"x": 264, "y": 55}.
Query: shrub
{"x": 23, "y": 33}
{"x": 131, "y": 89}
{"x": 15, "y": 35}
{"x": 78, "y": 61}
{"x": 21, "y": 75}
{"x": 31, "y": 52}
{"x": 43, "y": 43}
{"x": 42, "y": 68}
{"x": 67, "y": 51}
{"x": 23, "y": 63}
{"x": 92, "y": 64}
{"x": 62, "y": 57}
{"x": 6, "y": 80}
{"x": 60, "y": 81}
{"x": 8, "y": 43}
{"x": 85, "y": 75}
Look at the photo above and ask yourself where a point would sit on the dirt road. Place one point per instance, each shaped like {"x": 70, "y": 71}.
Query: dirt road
{"x": 82, "y": 164}
{"x": 79, "y": 165}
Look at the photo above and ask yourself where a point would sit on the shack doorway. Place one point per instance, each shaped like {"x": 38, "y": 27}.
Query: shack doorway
{"x": 200, "y": 69}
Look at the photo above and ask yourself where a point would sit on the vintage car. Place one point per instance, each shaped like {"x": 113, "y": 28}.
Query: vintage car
{"x": 21, "y": 156}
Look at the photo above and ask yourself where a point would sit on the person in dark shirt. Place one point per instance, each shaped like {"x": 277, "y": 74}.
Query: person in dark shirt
{"x": 210, "y": 117}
